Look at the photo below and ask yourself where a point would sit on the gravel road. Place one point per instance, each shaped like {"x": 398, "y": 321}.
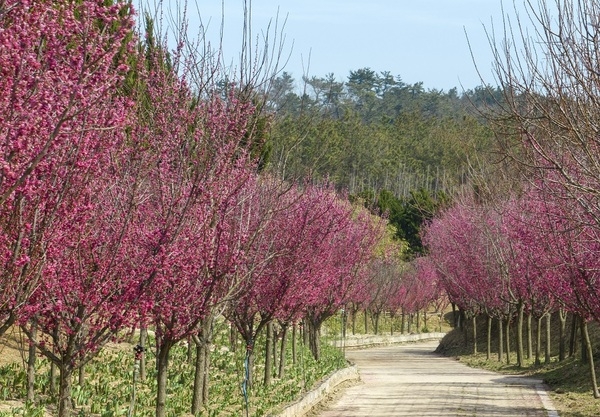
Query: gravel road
{"x": 411, "y": 380}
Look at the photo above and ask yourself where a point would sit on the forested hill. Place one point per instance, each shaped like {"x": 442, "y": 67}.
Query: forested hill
{"x": 376, "y": 132}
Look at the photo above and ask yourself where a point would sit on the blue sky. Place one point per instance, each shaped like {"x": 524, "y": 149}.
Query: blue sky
{"x": 418, "y": 40}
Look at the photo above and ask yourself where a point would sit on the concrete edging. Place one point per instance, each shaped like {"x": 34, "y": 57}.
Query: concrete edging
{"x": 315, "y": 396}
{"x": 355, "y": 342}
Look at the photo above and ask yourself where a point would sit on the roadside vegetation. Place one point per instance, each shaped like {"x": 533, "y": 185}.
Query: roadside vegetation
{"x": 567, "y": 380}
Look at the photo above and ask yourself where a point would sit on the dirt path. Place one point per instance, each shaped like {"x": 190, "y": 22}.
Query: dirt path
{"x": 410, "y": 380}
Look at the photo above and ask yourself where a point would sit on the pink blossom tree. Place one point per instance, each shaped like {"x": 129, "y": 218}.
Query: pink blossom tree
{"x": 62, "y": 112}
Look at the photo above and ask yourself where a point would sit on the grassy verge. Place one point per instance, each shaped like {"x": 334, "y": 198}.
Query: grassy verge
{"x": 568, "y": 381}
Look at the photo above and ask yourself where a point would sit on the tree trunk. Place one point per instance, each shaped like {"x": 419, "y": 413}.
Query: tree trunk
{"x": 538, "y": 344}
{"x": 198, "y": 377}
{"x": 584, "y": 351}
{"x": 202, "y": 365}
{"x": 548, "y": 346}
{"x": 284, "y": 332}
{"x": 205, "y": 383}
{"x": 529, "y": 337}
{"x": 572, "y": 341}
{"x": 31, "y": 366}
{"x": 507, "y": 340}
{"x": 306, "y": 333}
{"x": 294, "y": 345}
{"x": 403, "y": 321}
{"x": 353, "y": 322}
{"x": 376, "y": 322}
{"x": 489, "y": 338}
{"x": 520, "y": 347}
{"x": 474, "y": 322}
{"x": 366, "y": 317}
{"x": 143, "y": 342}
{"x": 500, "y": 339}
{"x": 162, "y": 367}
{"x": 65, "y": 402}
{"x": 314, "y": 343}
{"x": 53, "y": 368}
{"x": 590, "y": 356}
{"x": 562, "y": 335}
{"x": 425, "y": 320}
{"x": 418, "y": 322}
{"x": 268, "y": 355}
{"x": 274, "y": 366}
{"x": 454, "y": 316}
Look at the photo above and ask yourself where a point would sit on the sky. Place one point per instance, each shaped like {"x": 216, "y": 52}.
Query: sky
{"x": 417, "y": 40}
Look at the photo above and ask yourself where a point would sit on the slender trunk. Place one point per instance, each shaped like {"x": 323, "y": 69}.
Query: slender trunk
{"x": 294, "y": 345}
{"x": 590, "y": 356}
{"x": 274, "y": 367}
{"x": 548, "y": 340}
{"x": 418, "y": 321}
{"x": 284, "y": 332}
{"x": 162, "y": 367}
{"x": 572, "y": 343}
{"x": 520, "y": 348}
{"x": 143, "y": 341}
{"x": 454, "y": 316}
{"x": 65, "y": 402}
{"x": 200, "y": 367}
{"x": 500, "y": 339}
{"x": 507, "y": 340}
{"x": 391, "y": 324}
{"x": 353, "y": 322}
{"x": 465, "y": 332}
{"x": 314, "y": 344}
{"x": 53, "y": 368}
{"x": 268, "y": 355}
{"x": 410, "y": 320}
{"x": 31, "y": 366}
{"x": 206, "y": 373}
{"x": 474, "y": 321}
{"x": 366, "y": 317}
{"x": 489, "y": 338}
{"x": 584, "y": 351}
{"x": 538, "y": 341}
{"x": 198, "y": 378}
{"x": 562, "y": 335}
{"x": 529, "y": 337}
{"x": 425, "y": 320}
{"x": 249, "y": 365}
{"x": 306, "y": 332}
{"x": 376, "y": 323}
{"x": 402, "y": 321}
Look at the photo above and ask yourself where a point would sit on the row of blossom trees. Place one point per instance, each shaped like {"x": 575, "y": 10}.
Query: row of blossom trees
{"x": 130, "y": 195}
{"x": 535, "y": 250}
{"x": 529, "y": 255}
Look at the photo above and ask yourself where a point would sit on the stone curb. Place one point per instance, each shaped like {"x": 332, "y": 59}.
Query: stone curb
{"x": 315, "y": 396}
{"x": 357, "y": 342}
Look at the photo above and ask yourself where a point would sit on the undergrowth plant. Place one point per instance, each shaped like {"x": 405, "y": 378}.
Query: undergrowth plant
{"x": 107, "y": 388}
